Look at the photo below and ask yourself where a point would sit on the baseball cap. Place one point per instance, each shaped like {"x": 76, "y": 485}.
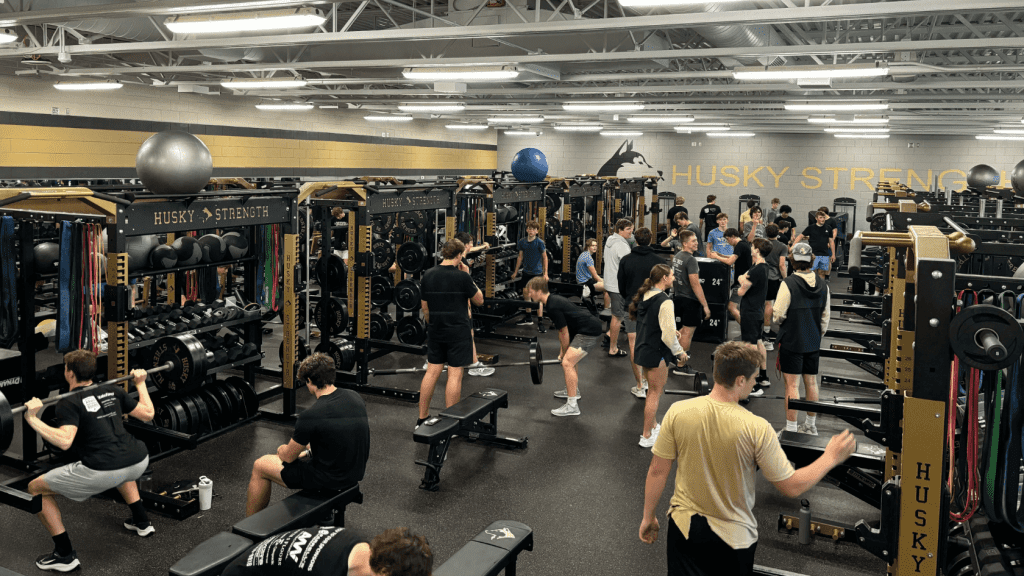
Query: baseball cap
{"x": 802, "y": 252}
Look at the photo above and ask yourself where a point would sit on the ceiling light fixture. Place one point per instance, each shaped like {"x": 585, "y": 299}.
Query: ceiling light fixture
{"x": 8, "y": 35}
{"x": 659, "y": 119}
{"x": 515, "y": 119}
{"x": 810, "y": 72}
{"x": 998, "y": 137}
{"x": 240, "y": 6}
{"x": 328, "y": 107}
{"x": 856, "y": 130}
{"x": 835, "y": 106}
{"x": 578, "y": 127}
{"x": 690, "y": 129}
{"x": 620, "y": 133}
{"x": 462, "y": 73}
{"x": 731, "y": 134}
{"x": 438, "y": 107}
{"x": 1003, "y": 131}
{"x": 854, "y": 120}
{"x": 294, "y": 106}
{"x": 387, "y": 118}
{"x": 262, "y": 83}
{"x": 88, "y": 85}
{"x": 466, "y": 127}
{"x": 602, "y": 107}
{"x": 657, "y": 3}
{"x": 522, "y": 132}
{"x": 873, "y": 136}
{"x": 246, "y": 21}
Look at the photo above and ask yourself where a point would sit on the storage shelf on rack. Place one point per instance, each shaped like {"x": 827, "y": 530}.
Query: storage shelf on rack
{"x": 164, "y": 271}
{"x": 204, "y": 329}
{"x": 234, "y": 364}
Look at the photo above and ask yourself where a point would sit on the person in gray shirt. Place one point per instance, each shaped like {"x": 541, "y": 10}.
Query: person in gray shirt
{"x": 688, "y": 296}
{"x": 777, "y": 269}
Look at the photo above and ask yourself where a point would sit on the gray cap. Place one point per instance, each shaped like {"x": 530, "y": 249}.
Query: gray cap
{"x": 802, "y": 252}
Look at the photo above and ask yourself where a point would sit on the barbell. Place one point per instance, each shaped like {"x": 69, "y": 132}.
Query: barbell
{"x": 536, "y": 364}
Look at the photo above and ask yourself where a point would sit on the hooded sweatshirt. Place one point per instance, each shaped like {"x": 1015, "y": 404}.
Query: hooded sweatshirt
{"x": 636, "y": 267}
{"x": 615, "y": 247}
{"x": 802, "y": 311}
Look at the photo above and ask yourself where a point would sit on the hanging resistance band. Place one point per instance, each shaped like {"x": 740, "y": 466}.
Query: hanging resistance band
{"x": 1011, "y": 450}
{"x": 64, "y": 288}
{"x": 963, "y": 465}
{"x": 993, "y": 433}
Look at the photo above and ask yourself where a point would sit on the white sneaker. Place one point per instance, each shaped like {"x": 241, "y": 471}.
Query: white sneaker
{"x": 806, "y": 428}
{"x": 487, "y": 371}
{"x": 566, "y": 410}
{"x": 425, "y": 364}
{"x": 586, "y": 291}
{"x": 649, "y": 442}
{"x": 563, "y": 393}
{"x": 639, "y": 392}
{"x": 757, "y": 391}
{"x": 768, "y": 345}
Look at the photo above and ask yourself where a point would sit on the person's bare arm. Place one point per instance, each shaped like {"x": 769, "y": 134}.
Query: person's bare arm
{"x": 745, "y": 285}
{"x": 545, "y": 261}
{"x": 478, "y": 298}
{"x": 593, "y": 272}
{"x": 657, "y": 477}
{"x": 144, "y": 411}
{"x": 783, "y": 265}
{"x": 798, "y": 238}
{"x": 563, "y": 340}
{"x": 426, "y": 311}
{"x": 698, "y": 290}
{"x": 62, "y": 437}
{"x": 290, "y": 452}
{"x": 839, "y": 448}
{"x": 753, "y": 229}
{"x": 519, "y": 262}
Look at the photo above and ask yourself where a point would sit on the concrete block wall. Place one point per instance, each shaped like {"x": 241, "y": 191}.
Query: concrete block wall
{"x": 803, "y": 170}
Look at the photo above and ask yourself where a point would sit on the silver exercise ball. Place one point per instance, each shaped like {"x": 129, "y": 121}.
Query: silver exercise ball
{"x": 174, "y": 162}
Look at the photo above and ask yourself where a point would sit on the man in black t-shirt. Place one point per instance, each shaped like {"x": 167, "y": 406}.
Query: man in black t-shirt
{"x": 445, "y": 295}
{"x": 819, "y": 236}
{"x": 332, "y": 551}
{"x": 784, "y": 216}
{"x": 740, "y": 260}
{"x": 709, "y": 216}
{"x": 90, "y": 424}
{"x": 329, "y": 447}
{"x": 578, "y": 331}
{"x": 753, "y": 290}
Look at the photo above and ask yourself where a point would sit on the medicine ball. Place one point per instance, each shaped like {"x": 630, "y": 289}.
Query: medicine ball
{"x": 138, "y": 250}
{"x": 47, "y": 255}
{"x": 1017, "y": 178}
{"x": 188, "y": 250}
{"x": 174, "y": 162}
{"x": 213, "y": 248}
{"x": 982, "y": 176}
{"x": 237, "y": 245}
{"x": 163, "y": 256}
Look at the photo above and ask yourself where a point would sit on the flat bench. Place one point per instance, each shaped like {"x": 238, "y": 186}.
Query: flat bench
{"x": 860, "y": 475}
{"x": 495, "y": 549}
{"x": 463, "y": 419}
{"x": 303, "y": 508}
{"x": 6, "y": 572}
{"x": 211, "y": 556}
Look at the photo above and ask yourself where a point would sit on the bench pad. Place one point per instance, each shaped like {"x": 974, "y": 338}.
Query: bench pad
{"x": 301, "y": 509}
{"x": 805, "y": 448}
{"x": 444, "y": 428}
{"x": 211, "y": 556}
{"x": 478, "y": 404}
{"x": 490, "y": 552}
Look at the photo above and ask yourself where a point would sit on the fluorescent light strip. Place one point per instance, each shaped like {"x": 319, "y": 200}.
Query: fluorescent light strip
{"x": 867, "y": 120}
{"x": 466, "y": 127}
{"x": 87, "y": 85}
{"x": 329, "y": 107}
{"x": 515, "y": 119}
{"x": 1001, "y": 131}
{"x": 656, "y": 3}
{"x": 998, "y": 137}
{"x": 809, "y": 72}
{"x": 263, "y": 84}
{"x": 730, "y": 134}
{"x": 659, "y": 119}
{"x": 579, "y": 128}
{"x": 284, "y": 106}
{"x": 596, "y": 107}
{"x": 835, "y": 107}
{"x": 874, "y": 136}
{"x": 463, "y": 74}
{"x": 246, "y": 22}
{"x": 620, "y": 133}
{"x": 386, "y": 118}
{"x": 689, "y": 129}
{"x": 439, "y": 108}
{"x": 856, "y": 130}
{"x": 522, "y": 133}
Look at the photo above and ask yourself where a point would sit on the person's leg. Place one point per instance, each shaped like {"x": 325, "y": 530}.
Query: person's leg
{"x": 140, "y": 519}
{"x": 130, "y": 492}
{"x": 453, "y": 389}
{"x": 764, "y": 356}
{"x": 768, "y": 314}
{"x": 811, "y": 389}
{"x": 613, "y": 334}
{"x": 686, "y": 337}
{"x": 427, "y": 388}
{"x": 734, "y": 310}
{"x": 631, "y": 337}
{"x": 265, "y": 470}
{"x": 655, "y": 383}
{"x": 569, "y": 361}
{"x": 50, "y": 514}
{"x": 792, "y": 391}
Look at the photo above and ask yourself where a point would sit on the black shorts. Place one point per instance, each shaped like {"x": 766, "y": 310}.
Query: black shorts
{"x": 299, "y": 475}
{"x": 797, "y": 362}
{"x": 773, "y": 290}
{"x": 704, "y": 552}
{"x": 455, "y": 352}
{"x": 689, "y": 312}
{"x": 751, "y": 326}
{"x": 521, "y": 285}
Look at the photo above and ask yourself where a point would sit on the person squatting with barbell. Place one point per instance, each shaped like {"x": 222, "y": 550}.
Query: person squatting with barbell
{"x": 90, "y": 424}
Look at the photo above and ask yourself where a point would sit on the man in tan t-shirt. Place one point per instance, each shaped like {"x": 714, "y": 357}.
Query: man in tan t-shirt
{"x": 719, "y": 446}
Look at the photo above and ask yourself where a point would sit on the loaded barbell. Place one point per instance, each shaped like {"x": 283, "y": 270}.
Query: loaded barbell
{"x": 536, "y": 364}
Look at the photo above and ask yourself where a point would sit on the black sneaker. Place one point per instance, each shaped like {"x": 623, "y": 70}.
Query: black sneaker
{"x": 52, "y": 561}
{"x": 541, "y": 327}
{"x": 757, "y": 391}
{"x": 140, "y": 529}
{"x": 684, "y": 371}
{"x": 525, "y": 321}
{"x": 764, "y": 382}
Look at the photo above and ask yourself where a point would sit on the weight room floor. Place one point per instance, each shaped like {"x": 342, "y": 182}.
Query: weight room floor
{"x": 579, "y": 484}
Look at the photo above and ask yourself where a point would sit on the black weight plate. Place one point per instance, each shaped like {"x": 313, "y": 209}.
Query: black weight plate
{"x": 382, "y": 291}
{"x": 332, "y": 273}
{"x": 237, "y": 407}
{"x": 230, "y": 414}
{"x": 331, "y": 315}
{"x": 412, "y": 223}
{"x": 214, "y": 406}
{"x": 302, "y": 353}
{"x": 408, "y": 296}
{"x": 187, "y": 355}
{"x": 165, "y": 416}
{"x": 181, "y": 422}
{"x": 205, "y": 421}
{"x": 552, "y": 202}
{"x": 552, "y": 227}
{"x": 250, "y": 402}
{"x": 383, "y": 255}
{"x": 383, "y": 223}
{"x": 576, "y": 225}
{"x": 412, "y": 330}
{"x": 341, "y": 351}
{"x": 382, "y": 326}
{"x": 412, "y": 257}
{"x": 194, "y": 418}
{"x": 6, "y": 424}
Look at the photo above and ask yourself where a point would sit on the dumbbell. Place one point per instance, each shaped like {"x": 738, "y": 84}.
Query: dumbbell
{"x": 190, "y": 318}
{"x": 231, "y": 339}
{"x": 235, "y": 352}
{"x": 220, "y": 357}
{"x": 214, "y": 342}
{"x": 249, "y": 350}
{"x": 234, "y": 313}
{"x": 175, "y": 322}
{"x": 140, "y": 329}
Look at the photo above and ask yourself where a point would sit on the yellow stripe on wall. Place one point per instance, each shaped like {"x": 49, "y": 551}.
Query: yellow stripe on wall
{"x": 36, "y": 146}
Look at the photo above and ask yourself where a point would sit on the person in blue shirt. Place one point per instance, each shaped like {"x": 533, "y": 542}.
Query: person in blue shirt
{"x": 533, "y": 258}
{"x": 586, "y": 273}
{"x": 716, "y": 238}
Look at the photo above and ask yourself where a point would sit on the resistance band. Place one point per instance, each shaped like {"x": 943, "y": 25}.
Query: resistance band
{"x": 64, "y": 288}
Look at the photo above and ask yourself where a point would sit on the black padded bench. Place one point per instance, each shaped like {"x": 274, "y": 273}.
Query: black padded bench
{"x": 211, "y": 556}
{"x": 495, "y": 549}
{"x": 303, "y": 508}
{"x": 463, "y": 419}
{"x": 860, "y": 475}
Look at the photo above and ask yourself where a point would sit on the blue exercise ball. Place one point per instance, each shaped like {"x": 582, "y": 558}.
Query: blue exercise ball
{"x": 982, "y": 176}
{"x": 529, "y": 165}
{"x": 174, "y": 162}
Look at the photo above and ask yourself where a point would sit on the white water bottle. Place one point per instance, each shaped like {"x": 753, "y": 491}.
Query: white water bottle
{"x": 205, "y": 493}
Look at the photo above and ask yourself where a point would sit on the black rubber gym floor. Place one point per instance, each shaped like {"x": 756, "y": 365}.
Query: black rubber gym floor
{"x": 579, "y": 484}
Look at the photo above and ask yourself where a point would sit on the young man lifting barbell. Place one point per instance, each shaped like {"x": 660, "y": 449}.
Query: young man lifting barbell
{"x": 90, "y": 424}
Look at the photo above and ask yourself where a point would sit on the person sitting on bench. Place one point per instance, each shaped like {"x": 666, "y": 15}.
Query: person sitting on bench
{"x": 712, "y": 529}
{"x": 327, "y": 551}
{"x": 330, "y": 445}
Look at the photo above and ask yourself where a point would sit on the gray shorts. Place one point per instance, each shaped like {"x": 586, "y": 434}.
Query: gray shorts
{"x": 618, "y": 305}
{"x": 583, "y": 343}
{"x": 78, "y": 482}
{"x": 629, "y": 325}
{"x": 734, "y": 296}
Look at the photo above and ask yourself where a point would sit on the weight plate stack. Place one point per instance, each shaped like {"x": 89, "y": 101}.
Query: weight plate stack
{"x": 382, "y": 326}
{"x": 236, "y": 398}
{"x": 331, "y": 316}
{"x": 193, "y": 414}
{"x": 383, "y": 255}
{"x": 408, "y": 295}
{"x": 228, "y": 400}
{"x": 341, "y": 351}
{"x": 250, "y": 403}
{"x": 412, "y": 257}
{"x": 382, "y": 291}
{"x": 412, "y": 330}
{"x": 332, "y": 273}
{"x": 214, "y": 406}
{"x": 412, "y": 223}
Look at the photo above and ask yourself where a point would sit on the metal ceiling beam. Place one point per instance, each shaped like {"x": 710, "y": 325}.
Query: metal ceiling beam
{"x": 132, "y": 9}
{"x": 660, "y": 21}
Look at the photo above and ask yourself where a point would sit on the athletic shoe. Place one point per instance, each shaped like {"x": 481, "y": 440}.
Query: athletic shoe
{"x": 768, "y": 344}
{"x": 563, "y": 393}
{"x": 639, "y": 392}
{"x": 566, "y": 410}
{"x": 586, "y": 291}
{"x": 757, "y": 391}
{"x": 764, "y": 382}
{"x": 59, "y": 563}
{"x": 806, "y": 428}
{"x": 140, "y": 529}
{"x": 684, "y": 370}
{"x": 425, "y": 365}
{"x": 649, "y": 442}
{"x": 541, "y": 327}
{"x": 525, "y": 321}
{"x": 480, "y": 369}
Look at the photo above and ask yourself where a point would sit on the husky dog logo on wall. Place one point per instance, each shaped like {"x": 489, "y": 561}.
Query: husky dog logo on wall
{"x": 627, "y": 164}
